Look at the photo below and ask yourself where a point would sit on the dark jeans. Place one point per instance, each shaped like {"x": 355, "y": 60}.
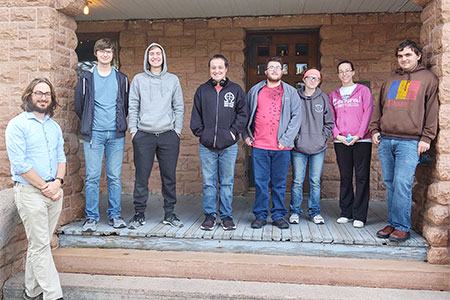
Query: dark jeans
{"x": 166, "y": 146}
{"x": 357, "y": 157}
{"x": 270, "y": 168}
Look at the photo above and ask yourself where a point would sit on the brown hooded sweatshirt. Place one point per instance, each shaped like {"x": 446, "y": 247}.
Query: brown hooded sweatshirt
{"x": 407, "y": 106}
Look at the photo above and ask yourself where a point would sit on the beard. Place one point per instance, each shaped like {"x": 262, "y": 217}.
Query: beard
{"x": 33, "y": 107}
{"x": 274, "y": 78}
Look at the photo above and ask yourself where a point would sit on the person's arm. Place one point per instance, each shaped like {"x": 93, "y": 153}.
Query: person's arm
{"x": 328, "y": 119}
{"x": 133, "y": 107}
{"x": 367, "y": 106}
{"x": 374, "y": 125}
{"x": 197, "y": 125}
{"x": 79, "y": 96}
{"x": 178, "y": 107}
{"x": 431, "y": 118}
{"x": 241, "y": 119}
{"x": 295, "y": 120}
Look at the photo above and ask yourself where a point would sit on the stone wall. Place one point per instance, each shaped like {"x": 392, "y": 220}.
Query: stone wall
{"x": 190, "y": 43}
{"x": 38, "y": 39}
{"x": 431, "y": 194}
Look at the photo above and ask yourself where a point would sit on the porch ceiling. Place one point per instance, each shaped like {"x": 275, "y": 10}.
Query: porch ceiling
{"x": 180, "y": 9}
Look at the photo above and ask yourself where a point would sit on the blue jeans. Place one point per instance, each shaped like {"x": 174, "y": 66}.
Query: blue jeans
{"x": 103, "y": 142}
{"x": 299, "y": 163}
{"x": 218, "y": 166}
{"x": 398, "y": 159}
{"x": 270, "y": 168}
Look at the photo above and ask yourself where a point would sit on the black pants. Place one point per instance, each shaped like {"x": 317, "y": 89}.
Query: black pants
{"x": 357, "y": 156}
{"x": 166, "y": 146}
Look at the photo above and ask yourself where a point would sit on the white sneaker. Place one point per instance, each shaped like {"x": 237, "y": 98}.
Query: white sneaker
{"x": 358, "y": 224}
{"x": 342, "y": 220}
{"x": 294, "y": 219}
{"x": 318, "y": 220}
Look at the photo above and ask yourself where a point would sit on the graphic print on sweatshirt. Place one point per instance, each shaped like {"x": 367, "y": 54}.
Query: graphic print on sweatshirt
{"x": 401, "y": 92}
{"x": 267, "y": 118}
{"x": 229, "y": 100}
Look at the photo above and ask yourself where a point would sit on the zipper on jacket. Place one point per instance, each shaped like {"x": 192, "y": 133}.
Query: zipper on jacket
{"x": 217, "y": 118}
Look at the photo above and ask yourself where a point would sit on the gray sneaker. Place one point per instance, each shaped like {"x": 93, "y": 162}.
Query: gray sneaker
{"x": 173, "y": 220}
{"x": 117, "y": 222}
{"x": 90, "y": 225}
{"x": 26, "y": 297}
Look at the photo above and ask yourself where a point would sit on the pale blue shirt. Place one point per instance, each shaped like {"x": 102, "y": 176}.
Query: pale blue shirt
{"x": 105, "y": 101}
{"x": 34, "y": 144}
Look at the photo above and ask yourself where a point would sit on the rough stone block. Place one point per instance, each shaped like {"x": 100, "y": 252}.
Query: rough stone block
{"x": 391, "y": 18}
{"x": 133, "y": 39}
{"x": 338, "y": 19}
{"x": 23, "y": 14}
{"x": 174, "y": 29}
{"x": 368, "y": 19}
{"x": 437, "y": 214}
{"x": 47, "y": 17}
{"x": 229, "y": 34}
{"x": 438, "y": 255}
{"x": 189, "y": 51}
{"x": 436, "y": 236}
{"x": 177, "y": 41}
{"x": 8, "y": 32}
{"x": 231, "y": 45}
{"x": 336, "y": 32}
{"x": 220, "y": 23}
{"x": 4, "y": 14}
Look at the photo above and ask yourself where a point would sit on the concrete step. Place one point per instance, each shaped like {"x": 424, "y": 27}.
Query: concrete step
{"x": 109, "y": 287}
{"x": 255, "y": 267}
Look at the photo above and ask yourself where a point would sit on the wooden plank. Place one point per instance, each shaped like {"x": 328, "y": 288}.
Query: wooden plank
{"x": 276, "y": 233}
{"x": 267, "y": 232}
{"x": 330, "y": 222}
{"x": 315, "y": 232}
{"x": 186, "y": 211}
{"x": 346, "y": 237}
{"x": 243, "y": 224}
{"x": 239, "y": 210}
{"x": 304, "y": 229}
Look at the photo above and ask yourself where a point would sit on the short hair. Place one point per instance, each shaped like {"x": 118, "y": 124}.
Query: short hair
{"x": 276, "y": 59}
{"x": 345, "y": 62}
{"x": 219, "y": 56}
{"x": 29, "y": 90}
{"x": 102, "y": 44}
{"x": 410, "y": 44}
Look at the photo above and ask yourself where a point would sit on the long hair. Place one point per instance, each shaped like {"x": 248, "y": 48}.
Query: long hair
{"x": 29, "y": 90}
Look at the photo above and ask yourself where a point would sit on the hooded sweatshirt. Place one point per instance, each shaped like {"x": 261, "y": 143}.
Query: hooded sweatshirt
{"x": 407, "y": 106}
{"x": 317, "y": 123}
{"x": 352, "y": 116}
{"x": 156, "y": 101}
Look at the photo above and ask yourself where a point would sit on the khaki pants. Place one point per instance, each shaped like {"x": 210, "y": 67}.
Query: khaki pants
{"x": 39, "y": 215}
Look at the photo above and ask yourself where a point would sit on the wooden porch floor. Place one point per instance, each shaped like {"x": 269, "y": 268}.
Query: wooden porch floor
{"x": 306, "y": 238}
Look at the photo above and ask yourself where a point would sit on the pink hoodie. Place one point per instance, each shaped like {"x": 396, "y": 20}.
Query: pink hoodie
{"x": 353, "y": 116}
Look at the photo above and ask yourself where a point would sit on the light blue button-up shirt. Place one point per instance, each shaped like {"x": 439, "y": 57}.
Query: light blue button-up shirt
{"x": 34, "y": 144}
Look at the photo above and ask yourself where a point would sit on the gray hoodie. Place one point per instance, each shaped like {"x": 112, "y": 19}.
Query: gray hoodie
{"x": 317, "y": 123}
{"x": 156, "y": 101}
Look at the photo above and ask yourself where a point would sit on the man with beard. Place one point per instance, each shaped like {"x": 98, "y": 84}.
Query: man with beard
{"x": 275, "y": 118}
{"x": 35, "y": 148}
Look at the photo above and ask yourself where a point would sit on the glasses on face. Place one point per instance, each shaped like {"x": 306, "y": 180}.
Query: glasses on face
{"x": 345, "y": 71}
{"x": 312, "y": 78}
{"x": 103, "y": 52}
{"x": 272, "y": 68}
{"x": 40, "y": 94}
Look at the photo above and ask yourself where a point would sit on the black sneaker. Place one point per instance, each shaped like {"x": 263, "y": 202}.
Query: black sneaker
{"x": 281, "y": 223}
{"x": 258, "y": 223}
{"x": 173, "y": 220}
{"x": 137, "y": 220}
{"x": 209, "y": 223}
{"x": 228, "y": 224}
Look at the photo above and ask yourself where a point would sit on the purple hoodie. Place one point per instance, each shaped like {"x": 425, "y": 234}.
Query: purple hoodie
{"x": 354, "y": 115}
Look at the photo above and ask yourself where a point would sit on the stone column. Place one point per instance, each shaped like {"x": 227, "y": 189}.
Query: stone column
{"x": 38, "y": 39}
{"x": 431, "y": 195}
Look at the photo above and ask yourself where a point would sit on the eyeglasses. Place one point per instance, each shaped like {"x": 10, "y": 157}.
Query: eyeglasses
{"x": 345, "y": 72}
{"x": 102, "y": 52}
{"x": 272, "y": 68}
{"x": 312, "y": 78}
{"x": 40, "y": 94}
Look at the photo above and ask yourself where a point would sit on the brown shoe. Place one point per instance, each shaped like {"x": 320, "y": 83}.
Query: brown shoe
{"x": 399, "y": 236}
{"x": 385, "y": 232}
